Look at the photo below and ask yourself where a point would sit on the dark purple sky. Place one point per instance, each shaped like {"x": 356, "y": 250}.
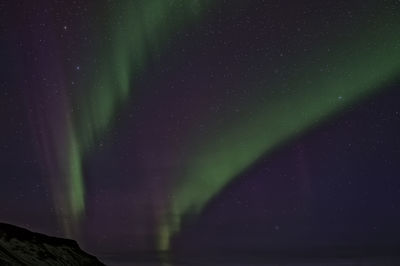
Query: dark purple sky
{"x": 334, "y": 184}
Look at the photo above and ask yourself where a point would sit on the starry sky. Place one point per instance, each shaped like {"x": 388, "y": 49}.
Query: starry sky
{"x": 179, "y": 126}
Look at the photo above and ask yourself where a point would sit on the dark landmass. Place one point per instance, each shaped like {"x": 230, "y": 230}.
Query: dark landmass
{"x": 19, "y": 246}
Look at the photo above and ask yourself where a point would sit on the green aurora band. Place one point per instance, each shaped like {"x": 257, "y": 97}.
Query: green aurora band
{"x": 356, "y": 71}
{"x": 359, "y": 64}
{"x": 137, "y": 30}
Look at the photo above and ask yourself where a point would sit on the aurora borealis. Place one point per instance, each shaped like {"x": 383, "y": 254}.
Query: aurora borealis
{"x": 224, "y": 154}
{"x": 139, "y": 33}
{"x": 138, "y": 126}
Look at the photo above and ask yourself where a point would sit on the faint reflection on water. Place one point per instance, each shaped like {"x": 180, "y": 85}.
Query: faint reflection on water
{"x": 325, "y": 262}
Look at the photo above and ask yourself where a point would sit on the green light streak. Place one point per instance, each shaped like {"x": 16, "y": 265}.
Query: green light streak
{"x": 76, "y": 187}
{"x": 69, "y": 189}
{"x": 357, "y": 69}
{"x": 137, "y": 30}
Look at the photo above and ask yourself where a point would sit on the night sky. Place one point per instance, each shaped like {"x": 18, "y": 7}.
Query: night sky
{"x": 187, "y": 125}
